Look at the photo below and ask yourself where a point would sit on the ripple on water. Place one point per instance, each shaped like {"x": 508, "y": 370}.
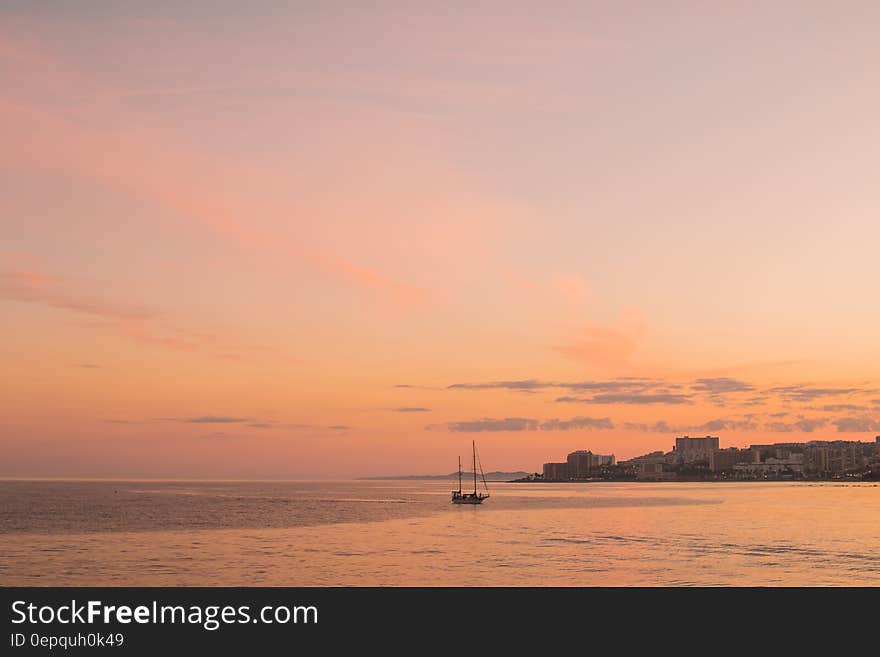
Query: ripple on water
{"x": 358, "y": 533}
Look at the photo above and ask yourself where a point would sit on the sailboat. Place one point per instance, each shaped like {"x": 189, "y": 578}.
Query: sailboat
{"x": 458, "y": 497}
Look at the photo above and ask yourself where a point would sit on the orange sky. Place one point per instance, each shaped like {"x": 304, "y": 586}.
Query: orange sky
{"x": 331, "y": 242}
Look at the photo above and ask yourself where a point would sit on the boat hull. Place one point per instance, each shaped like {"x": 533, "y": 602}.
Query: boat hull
{"x": 468, "y": 499}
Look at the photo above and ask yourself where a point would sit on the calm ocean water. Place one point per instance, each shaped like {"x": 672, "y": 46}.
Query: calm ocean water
{"x": 407, "y": 533}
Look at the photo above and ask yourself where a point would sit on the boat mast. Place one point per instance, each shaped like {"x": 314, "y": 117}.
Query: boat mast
{"x": 459, "y": 474}
{"x": 474, "y": 445}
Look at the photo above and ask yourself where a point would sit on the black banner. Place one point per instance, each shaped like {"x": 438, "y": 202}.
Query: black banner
{"x": 180, "y": 620}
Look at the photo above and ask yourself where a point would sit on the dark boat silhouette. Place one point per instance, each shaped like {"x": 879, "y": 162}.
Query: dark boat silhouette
{"x": 458, "y": 497}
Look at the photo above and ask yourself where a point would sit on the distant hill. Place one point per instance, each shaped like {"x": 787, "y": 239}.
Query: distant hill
{"x": 490, "y": 476}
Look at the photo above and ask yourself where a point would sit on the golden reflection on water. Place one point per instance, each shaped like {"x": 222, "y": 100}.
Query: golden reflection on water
{"x": 525, "y": 534}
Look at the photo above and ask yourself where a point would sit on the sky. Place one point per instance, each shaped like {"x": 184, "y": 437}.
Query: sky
{"x": 321, "y": 240}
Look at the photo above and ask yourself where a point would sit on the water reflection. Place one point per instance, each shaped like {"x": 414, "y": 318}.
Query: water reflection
{"x": 407, "y": 533}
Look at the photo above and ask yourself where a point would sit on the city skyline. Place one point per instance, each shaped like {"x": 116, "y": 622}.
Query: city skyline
{"x": 331, "y": 242}
{"x": 702, "y": 458}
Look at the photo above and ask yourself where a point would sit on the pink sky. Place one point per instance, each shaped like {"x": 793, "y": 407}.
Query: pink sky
{"x": 330, "y": 242}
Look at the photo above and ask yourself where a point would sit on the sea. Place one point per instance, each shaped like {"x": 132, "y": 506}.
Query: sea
{"x": 407, "y": 533}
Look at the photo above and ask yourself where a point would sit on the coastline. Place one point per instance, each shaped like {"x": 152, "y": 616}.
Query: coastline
{"x": 840, "y": 480}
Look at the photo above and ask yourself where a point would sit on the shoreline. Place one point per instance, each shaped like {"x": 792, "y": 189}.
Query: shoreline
{"x": 852, "y": 480}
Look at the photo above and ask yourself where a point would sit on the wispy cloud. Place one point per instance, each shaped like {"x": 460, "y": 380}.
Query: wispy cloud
{"x": 635, "y": 398}
{"x": 592, "y": 423}
{"x": 748, "y": 423}
{"x": 120, "y": 158}
{"x": 719, "y": 390}
{"x": 491, "y": 424}
{"x": 628, "y": 384}
{"x": 806, "y": 425}
{"x": 613, "y": 385}
{"x": 805, "y": 393}
{"x": 250, "y": 422}
{"x": 838, "y": 408}
{"x": 726, "y": 425}
{"x": 138, "y": 323}
{"x": 600, "y": 344}
{"x": 527, "y": 384}
{"x": 33, "y": 287}
{"x": 411, "y": 409}
{"x": 662, "y": 426}
{"x": 721, "y": 385}
{"x": 528, "y": 424}
{"x": 856, "y": 424}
